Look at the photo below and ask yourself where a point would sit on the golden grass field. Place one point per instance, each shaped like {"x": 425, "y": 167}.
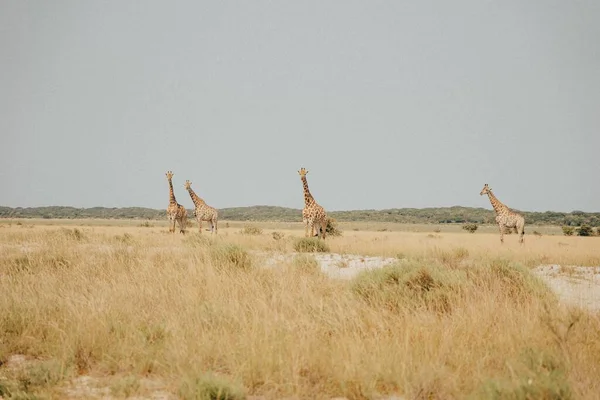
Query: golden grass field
{"x": 112, "y": 309}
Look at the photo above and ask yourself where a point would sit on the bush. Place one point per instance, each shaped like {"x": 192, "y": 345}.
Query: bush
{"x": 251, "y": 230}
{"x": 278, "y": 235}
{"x": 430, "y": 286}
{"x": 568, "y": 230}
{"x": 516, "y": 281}
{"x": 308, "y": 245}
{"x": 411, "y": 287}
{"x": 585, "y": 230}
{"x": 230, "y": 255}
{"x": 471, "y": 228}
{"x": 332, "y": 228}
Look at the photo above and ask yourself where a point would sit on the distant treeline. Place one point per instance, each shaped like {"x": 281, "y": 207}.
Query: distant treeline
{"x": 442, "y": 215}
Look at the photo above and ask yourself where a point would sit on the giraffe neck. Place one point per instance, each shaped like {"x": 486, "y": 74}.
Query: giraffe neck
{"x": 171, "y": 193}
{"x": 308, "y": 199}
{"x": 497, "y": 204}
{"x": 197, "y": 200}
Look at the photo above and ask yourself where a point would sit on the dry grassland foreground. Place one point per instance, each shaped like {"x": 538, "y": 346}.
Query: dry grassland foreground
{"x": 135, "y": 312}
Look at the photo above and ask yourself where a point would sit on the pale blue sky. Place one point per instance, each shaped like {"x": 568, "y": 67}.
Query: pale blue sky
{"x": 387, "y": 103}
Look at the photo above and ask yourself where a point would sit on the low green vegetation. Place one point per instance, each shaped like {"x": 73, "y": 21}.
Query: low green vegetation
{"x": 441, "y": 215}
{"x": 471, "y": 228}
{"x": 310, "y": 245}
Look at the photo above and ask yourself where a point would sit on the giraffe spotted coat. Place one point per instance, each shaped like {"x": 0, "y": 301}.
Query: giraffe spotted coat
{"x": 203, "y": 212}
{"x": 313, "y": 215}
{"x": 175, "y": 211}
{"x": 505, "y": 217}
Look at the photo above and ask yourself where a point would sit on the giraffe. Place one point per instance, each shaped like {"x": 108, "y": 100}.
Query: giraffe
{"x": 203, "y": 211}
{"x": 505, "y": 217}
{"x": 175, "y": 212}
{"x": 313, "y": 215}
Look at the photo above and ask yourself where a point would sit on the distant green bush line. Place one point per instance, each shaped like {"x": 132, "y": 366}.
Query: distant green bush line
{"x": 442, "y": 215}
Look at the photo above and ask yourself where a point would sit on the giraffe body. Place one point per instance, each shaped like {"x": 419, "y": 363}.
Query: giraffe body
{"x": 313, "y": 215}
{"x": 505, "y": 217}
{"x": 175, "y": 211}
{"x": 202, "y": 211}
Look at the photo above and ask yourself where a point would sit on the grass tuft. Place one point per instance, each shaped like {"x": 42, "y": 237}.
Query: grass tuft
{"x": 210, "y": 387}
{"x": 226, "y": 255}
{"x": 306, "y": 263}
{"x": 311, "y": 245}
{"x": 416, "y": 286}
{"x": 251, "y": 230}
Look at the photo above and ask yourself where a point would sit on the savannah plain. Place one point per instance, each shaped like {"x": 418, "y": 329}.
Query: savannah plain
{"x": 124, "y": 309}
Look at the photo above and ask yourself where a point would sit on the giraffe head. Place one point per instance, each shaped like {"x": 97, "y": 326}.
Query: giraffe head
{"x": 187, "y": 185}
{"x": 486, "y": 189}
{"x": 169, "y": 175}
{"x": 302, "y": 172}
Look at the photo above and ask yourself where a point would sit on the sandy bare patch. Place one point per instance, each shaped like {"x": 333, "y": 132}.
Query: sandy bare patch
{"x": 575, "y": 285}
{"x": 341, "y": 266}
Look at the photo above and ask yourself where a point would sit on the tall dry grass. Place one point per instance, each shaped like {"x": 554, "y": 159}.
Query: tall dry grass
{"x": 456, "y": 317}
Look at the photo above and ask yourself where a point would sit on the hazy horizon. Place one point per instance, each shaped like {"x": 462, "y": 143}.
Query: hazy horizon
{"x": 387, "y": 104}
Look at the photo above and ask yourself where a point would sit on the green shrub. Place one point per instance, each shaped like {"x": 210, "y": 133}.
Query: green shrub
{"x": 536, "y": 374}
{"x": 310, "y": 245}
{"x": 585, "y": 230}
{"x": 230, "y": 255}
{"x": 410, "y": 287}
{"x": 332, "y": 228}
{"x": 568, "y": 230}
{"x": 516, "y": 281}
{"x": 210, "y": 387}
{"x": 41, "y": 375}
{"x": 471, "y": 228}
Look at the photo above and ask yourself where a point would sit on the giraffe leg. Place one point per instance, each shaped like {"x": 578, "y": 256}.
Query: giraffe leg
{"x": 172, "y": 226}
{"x": 215, "y": 226}
{"x": 501, "y": 234}
{"x": 181, "y": 223}
{"x": 305, "y": 228}
{"x": 323, "y": 230}
{"x": 521, "y": 233}
{"x": 200, "y": 226}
